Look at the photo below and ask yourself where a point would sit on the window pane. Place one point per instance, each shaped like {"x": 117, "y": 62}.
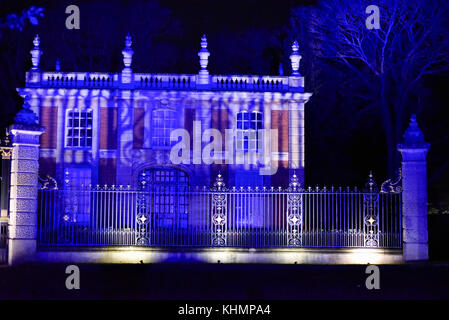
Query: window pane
{"x": 252, "y": 145}
{"x": 245, "y": 143}
{"x": 239, "y": 144}
{"x": 163, "y": 122}
{"x": 79, "y": 128}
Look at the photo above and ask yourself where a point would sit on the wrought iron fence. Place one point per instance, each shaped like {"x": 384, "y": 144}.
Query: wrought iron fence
{"x": 218, "y": 216}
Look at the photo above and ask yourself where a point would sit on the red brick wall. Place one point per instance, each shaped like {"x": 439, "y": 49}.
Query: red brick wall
{"x": 189, "y": 117}
{"x": 138, "y": 128}
{"x": 279, "y": 121}
{"x": 107, "y": 171}
{"x": 108, "y": 128}
{"x": 47, "y": 166}
{"x": 49, "y": 120}
{"x": 219, "y": 121}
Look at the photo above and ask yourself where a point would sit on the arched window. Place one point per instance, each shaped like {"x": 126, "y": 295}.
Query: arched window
{"x": 249, "y": 125}
{"x": 163, "y": 123}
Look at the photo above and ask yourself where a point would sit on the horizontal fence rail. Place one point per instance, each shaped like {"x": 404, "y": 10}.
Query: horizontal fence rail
{"x": 252, "y": 217}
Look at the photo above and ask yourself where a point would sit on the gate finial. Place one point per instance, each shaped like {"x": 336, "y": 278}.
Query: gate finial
{"x": 294, "y": 182}
{"x": 371, "y": 185}
{"x": 219, "y": 182}
{"x": 66, "y": 178}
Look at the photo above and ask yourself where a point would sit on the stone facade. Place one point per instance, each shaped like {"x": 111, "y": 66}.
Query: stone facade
{"x": 123, "y": 106}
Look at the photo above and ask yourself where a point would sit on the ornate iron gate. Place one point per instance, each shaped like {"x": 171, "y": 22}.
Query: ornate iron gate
{"x": 221, "y": 216}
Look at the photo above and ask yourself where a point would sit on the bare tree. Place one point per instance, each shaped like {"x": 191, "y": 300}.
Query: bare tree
{"x": 389, "y": 63}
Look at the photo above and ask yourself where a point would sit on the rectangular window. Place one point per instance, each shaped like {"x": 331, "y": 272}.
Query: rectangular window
{"x": 79, "y": 129}
{"x": 249, "y": 126}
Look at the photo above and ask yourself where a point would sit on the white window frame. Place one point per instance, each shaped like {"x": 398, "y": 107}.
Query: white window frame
{"x": 161, "y": 132}
{"x": 80, "y": 128}
{"x": 248, "y": 129}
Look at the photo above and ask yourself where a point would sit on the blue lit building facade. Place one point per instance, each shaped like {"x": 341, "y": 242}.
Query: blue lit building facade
{"x": 114, "y": 128}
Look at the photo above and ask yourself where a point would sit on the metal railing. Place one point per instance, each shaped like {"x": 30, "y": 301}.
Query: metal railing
{"x": 217, "y": 216}
{"x": 95, "y": 80}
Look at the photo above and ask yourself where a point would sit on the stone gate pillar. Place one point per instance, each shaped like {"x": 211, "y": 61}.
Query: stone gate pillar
{"x": 5, "y": 153}
{"x": 22, "y": 228}
{"x": 414, "y": 197}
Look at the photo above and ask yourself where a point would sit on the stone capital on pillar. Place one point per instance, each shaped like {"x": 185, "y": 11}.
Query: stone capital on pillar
{"x": 414, "y": 195}
{"x": 22, "y": 227}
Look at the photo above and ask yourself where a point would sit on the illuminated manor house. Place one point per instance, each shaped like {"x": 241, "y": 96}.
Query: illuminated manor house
{"x": 114, "y": 128}
{"x": 118, "y": 133}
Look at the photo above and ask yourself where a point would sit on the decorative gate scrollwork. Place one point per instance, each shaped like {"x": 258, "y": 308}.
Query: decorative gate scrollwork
{"x": 68, "y": 216}
{"x": 48, "y": 183}
{"x": 294, "y": 213}
{"x": 371, "y": 213}
{"x": 143, "y": 219}
{"x": 219, "y": 212}
{"x": 390, "y": 186}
